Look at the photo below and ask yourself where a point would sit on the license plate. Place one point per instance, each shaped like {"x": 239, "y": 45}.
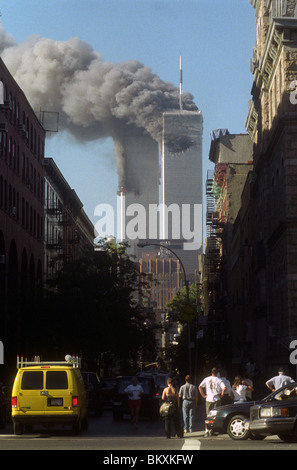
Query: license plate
{"x": 55, "y": 402}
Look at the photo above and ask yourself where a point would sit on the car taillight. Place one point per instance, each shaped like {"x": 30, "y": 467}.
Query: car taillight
{"x": 14, "y": 401}
{"x": 74, "y": 401}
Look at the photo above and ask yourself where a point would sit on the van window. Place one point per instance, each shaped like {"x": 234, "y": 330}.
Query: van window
{"x": 56, "y": 380}
{"x": 32, "y": 380}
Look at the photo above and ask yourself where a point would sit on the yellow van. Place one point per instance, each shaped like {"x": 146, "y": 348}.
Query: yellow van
{"x": 49, "y": 393}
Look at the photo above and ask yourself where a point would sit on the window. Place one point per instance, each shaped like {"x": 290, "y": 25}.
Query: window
{"x": 24, "y": 166}
{"x": 23, "y": 212}
{"x": 56, "y": 380}
{"x": 1, "y": 191}
{"x": 32, "y": 380}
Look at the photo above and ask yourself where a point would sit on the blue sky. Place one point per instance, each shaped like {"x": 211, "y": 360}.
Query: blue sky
{"x": 214, "y": 37}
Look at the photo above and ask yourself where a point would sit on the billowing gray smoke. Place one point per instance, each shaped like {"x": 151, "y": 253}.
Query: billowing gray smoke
{"x": 95, "y": 98}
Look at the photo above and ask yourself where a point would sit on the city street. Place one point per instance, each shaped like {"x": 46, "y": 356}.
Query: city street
{"x": 108, "y": 436}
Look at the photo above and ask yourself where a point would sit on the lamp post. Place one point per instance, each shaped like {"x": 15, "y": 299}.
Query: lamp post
{"x": 142, "y": 245}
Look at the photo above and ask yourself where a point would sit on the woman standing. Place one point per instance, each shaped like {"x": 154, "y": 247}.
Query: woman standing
{"x": 239, "y": 389}
{"x": 170, "y": 395}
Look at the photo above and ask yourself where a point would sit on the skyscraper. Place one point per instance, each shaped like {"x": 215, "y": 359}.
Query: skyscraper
{"x": 141, "y": 183}
{"x": 181, "y": 184}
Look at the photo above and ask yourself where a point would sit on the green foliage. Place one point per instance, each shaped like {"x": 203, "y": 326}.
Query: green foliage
{"x": 178, "y": 354}
{"x": 91, "y": 308}
{"x": 179, "y": 302}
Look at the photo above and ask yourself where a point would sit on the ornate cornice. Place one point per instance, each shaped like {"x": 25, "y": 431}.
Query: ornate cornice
{"x": 251, "y": 122}
{"x": 269, "y": 60}
{"x": 264, "y": 69}
{"x": 255, "y": 3}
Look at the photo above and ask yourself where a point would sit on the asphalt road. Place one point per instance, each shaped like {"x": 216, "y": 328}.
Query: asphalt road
{"x": 111, "y": 438}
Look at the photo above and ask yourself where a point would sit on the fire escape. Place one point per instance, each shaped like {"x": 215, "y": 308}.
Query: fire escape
{"x": 213, "y": 255}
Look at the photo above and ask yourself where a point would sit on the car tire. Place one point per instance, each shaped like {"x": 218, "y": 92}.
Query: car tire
{"x": 117, "y": 415}
{"x": 236, "y": 429}
{"x": 289, "y": 436}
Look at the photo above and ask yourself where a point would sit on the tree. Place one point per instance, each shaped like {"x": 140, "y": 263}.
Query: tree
{"x": 91, "y": 308}
{"x": 184, "y": 311}
{"x": 179, "y": 303}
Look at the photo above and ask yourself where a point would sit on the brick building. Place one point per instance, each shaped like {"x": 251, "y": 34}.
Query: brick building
{"x": 68, "y": 232}
{"x": 26, "y": 236}
{"x": 21, "y": 188}
{"x": 165, "y": 279}
{"x": 22, "y": 140}
{"x": 232, "y": 157}
{"x": 272, "y": 125}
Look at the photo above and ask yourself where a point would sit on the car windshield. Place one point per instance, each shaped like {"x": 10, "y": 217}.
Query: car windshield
{"x": 161, "y": 380}
{"x": 286, "y": 393}
{"x": 123, "y": 384}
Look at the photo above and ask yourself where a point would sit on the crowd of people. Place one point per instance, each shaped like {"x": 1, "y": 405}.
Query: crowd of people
{"x": 216, "y": 389}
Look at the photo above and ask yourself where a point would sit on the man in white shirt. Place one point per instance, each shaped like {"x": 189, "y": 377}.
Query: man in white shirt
{"x": 279, "y": 380}
{"x": 228, "y": 395}
{"x": 214, "y": 390}
{"x": 135, "y": 392}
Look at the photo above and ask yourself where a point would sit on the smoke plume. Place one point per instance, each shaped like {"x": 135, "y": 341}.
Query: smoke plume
{"x": 94, "y": 98}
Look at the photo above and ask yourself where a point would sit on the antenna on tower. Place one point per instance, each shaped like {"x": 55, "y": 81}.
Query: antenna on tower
{"x": 180, "y": 83}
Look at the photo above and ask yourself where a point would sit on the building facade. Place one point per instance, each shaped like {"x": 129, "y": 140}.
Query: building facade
{"x": 164, "y": 280}
{"x": 232, "y": 158}
{"x": 21, "y": 189}
{"x": 140, "y": 189}
{"x": 22, "y": 139}
{"x": 68, "y": 233}
{"x": 272, "y": 125}
{"x": 30, "y": 209}
{"x": 181, "y": 184}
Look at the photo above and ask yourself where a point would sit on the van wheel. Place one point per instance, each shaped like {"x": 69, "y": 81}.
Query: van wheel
{"x": 85, "y": 424}
{"x": 76, "y": 428}
{"x": 18, "y": 429}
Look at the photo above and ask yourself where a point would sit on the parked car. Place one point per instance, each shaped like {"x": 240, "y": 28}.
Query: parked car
{"x": 160, "y": 379}
{"x": 276, "y": 415}
{"x": 230, "y": 419}
{"x": 108, "y": 385}
{"x": 233, "y": 419}
{"x": 149, "y": 400}
{"x": 94, "y": 392}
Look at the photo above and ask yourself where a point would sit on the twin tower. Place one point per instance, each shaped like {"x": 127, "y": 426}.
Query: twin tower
{"x": 162, "y": 199}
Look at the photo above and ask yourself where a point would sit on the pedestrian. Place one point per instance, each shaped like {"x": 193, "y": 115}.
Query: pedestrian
{"x": 228, "y": 396}
{"x": 135, "y": 392}
{"x": 248, "y": 381}
{"x": 279, "y": 380}
{"x": 250, "y": 368}
{"x": 188, "y": 393}
{"x": 212, "y": 388}
{"x": 170, "y": 395}
{"x": 239, "y": 389}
